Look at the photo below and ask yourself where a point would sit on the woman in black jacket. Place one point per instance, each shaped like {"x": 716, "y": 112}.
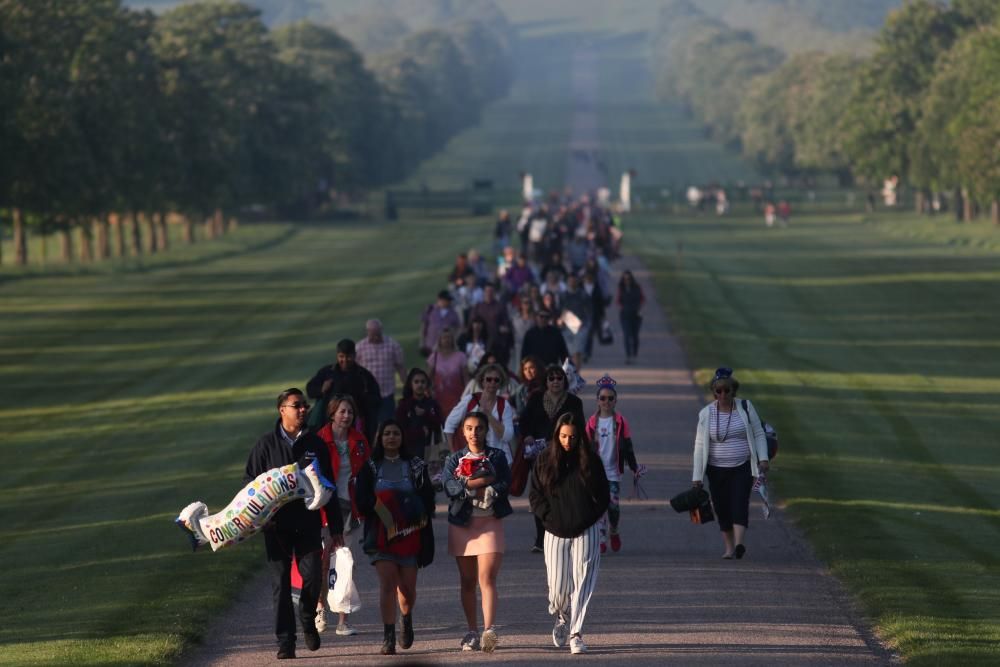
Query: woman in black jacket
{"x": 539, "y": 418}
{"x": 395, "y": 495}
{"x": 569, "y": 494}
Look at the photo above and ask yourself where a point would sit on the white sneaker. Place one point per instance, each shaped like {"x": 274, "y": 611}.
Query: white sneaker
{"x": 490, "y": 640}
{"x": 320, "y": 619}
{"x": 345, "y": 630}
{"x": 560, "y": 633}
{"x": 576, "y": 645}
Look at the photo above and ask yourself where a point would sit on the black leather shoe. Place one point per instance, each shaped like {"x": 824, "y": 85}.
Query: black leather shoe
{"x": 406, "y": 637}
{"x": 286, "y": 652}
{"x": 389, "y": 640}
{"x": 739, "y": 551}
{"x": 312, "y": 640}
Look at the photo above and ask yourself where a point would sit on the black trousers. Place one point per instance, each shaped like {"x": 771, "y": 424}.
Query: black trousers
{"x": 307, "y": 547}
{"x": 630, "y": 331}
{"x": 730, "y": 488}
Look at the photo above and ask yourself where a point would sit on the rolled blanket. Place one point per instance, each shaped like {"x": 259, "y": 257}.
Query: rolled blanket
{"x": 254, "y": 505}
{"x": 401, "y": 512}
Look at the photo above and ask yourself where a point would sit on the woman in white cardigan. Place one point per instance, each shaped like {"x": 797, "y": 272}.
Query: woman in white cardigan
{"x": 730, "y": 449}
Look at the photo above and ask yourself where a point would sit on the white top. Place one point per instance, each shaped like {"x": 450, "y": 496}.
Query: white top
{"x": 728, "y": 446}
{"x": 507, "y": 419}
{"x": 702, "y": 445}
{"x": 606, "y": 447}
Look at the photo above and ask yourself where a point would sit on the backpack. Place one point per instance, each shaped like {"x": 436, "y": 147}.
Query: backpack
{"x": 769, "y": 433}
{"x": 458, "y": 441}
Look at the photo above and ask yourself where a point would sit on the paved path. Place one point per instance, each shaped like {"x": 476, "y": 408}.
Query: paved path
{"x": 666, "y": 598}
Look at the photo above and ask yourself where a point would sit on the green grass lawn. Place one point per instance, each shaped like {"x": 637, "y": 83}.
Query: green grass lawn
{"x": 872, "y": 346}
{"x": 128, "y": 393}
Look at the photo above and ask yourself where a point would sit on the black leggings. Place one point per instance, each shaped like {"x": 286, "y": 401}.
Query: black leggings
{"x": 731, "y": 489}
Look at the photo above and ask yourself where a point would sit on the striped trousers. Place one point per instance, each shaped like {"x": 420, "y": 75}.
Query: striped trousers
{"x": 571, "y": 565}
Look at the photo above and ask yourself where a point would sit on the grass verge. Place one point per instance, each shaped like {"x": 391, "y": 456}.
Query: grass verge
{"x": 871, "y": 345}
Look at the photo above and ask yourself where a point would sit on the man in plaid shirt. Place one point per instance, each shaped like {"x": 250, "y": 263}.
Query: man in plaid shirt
{"x": 381, "y": 355}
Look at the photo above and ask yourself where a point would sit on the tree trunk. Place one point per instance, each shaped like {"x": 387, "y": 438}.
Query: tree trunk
{"x": 103, "y": 240}
{"x": 20, "y": 239}
{"x": 919, "y": 201}
{"x": 219, "y": 222}
{"x": 151, "y": 241}
{"x": 162, "y": 237}
{"x": 969, "y": 210}
{"x": 188, "y": 230}
{"x": 995, "y": 211}
{"x": 135, "y": 237}
{"x": 210, "y": 228}
{"x": 119, "y": 224}
{"x": 66, "y": 243}
{"x": 86, "y": 243}
{"x": 233, "y": 224}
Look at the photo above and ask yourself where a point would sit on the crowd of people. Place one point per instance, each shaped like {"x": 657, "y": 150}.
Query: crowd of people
{"x": 470, "y": 428}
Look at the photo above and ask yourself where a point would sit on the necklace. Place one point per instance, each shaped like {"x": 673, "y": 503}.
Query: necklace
{"x": 728, "y": 422}
{"x": 391, "y": 459}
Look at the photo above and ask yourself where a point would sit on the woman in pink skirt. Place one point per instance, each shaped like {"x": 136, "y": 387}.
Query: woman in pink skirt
{"x": 476, "y": 481}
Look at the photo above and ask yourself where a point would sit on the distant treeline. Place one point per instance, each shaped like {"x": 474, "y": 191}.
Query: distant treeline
{"x": 922, "y": 107}
{"x": 109, "y": 114}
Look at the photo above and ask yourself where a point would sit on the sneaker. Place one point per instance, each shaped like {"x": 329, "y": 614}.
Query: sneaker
{"x": 470, "y": 642}
{"x": 320, "y": 619}
{"x": 286, "y": 652}
{"x": 490, "y": 640}
{"x": 312, "y": 640}
{"x": 535, "y": 549}
{"x": 576, "y": 645}
{"x": 345, "y": 630}
{"x": 560, "y": 633}
{"x": 616, "y": 542}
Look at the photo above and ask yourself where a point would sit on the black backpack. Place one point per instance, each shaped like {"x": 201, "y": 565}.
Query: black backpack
{"x": 769, "y": 433}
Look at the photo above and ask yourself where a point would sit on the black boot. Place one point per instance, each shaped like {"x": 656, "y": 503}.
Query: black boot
{"x": 406, "y": 640}
{"x": 389, "y": 639}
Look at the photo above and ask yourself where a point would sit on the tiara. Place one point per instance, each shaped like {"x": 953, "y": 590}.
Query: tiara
{"x": 606, "y": 382}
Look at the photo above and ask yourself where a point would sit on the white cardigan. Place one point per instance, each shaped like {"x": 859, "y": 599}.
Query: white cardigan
{"x": 755, "y": 436}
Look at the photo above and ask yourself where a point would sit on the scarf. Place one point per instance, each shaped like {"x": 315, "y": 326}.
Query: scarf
{"x": 552, "y": 405}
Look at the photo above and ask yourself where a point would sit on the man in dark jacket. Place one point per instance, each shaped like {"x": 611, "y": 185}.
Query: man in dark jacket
{"x": 294, "y": 530}
{"x": 544, "y": 340}
{"x": 347, "y": 377}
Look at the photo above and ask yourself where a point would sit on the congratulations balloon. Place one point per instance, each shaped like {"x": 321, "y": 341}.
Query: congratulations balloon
{"x": 254, "y": 505}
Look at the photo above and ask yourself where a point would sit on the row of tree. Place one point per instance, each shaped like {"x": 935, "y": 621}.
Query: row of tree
{"x": 922, "y": 107}
{"x": 112, "y": 114}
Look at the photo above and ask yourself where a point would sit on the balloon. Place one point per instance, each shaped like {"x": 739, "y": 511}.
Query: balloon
{"x": 254, "y": 505}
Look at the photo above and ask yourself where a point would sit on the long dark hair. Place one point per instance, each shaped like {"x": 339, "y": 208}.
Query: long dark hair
{"x": 378, "y": 451}
{"x": 408, "y": 385}
{"x": 549, "y": 466}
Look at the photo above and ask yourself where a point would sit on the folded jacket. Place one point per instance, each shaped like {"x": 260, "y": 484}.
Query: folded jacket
{"x": 690, "y": 499}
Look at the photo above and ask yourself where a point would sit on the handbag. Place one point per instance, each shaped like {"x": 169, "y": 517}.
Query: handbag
{"x": 343, "y": 597}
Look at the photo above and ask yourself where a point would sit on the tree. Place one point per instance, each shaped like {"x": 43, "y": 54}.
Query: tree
{"x": 885, "y": 108}
{"x": 219, "y": 71}
{"x": 452, "y": 105}
{"x": 965, "y": 136}
{"x": 345, "y": 107}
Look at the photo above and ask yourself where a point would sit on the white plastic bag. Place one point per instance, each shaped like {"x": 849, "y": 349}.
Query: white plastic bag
{"x": 343, "y": 598}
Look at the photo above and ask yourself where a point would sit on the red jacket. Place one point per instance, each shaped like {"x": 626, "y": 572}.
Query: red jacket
{"x": 360, "y": 453}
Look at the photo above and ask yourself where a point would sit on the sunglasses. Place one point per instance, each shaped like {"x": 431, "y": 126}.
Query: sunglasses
{"x": 555, "y": 377}
{"x": 721, "y": 391}
{"x": 604, "y": 399}
{"x": 296, "y": 406}
{"x": 491, "y": 379}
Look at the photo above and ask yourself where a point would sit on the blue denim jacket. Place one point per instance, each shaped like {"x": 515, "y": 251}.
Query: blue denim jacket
{"x": 459, "y": 503}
